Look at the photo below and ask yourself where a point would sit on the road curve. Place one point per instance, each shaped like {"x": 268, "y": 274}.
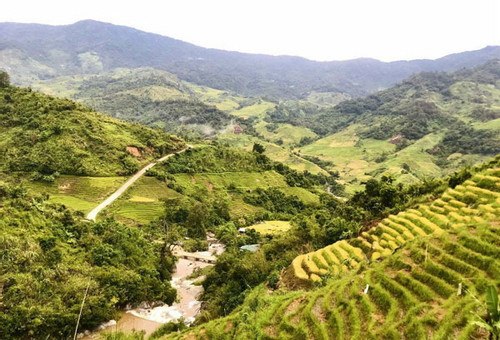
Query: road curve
{"x": 93, "y": 214}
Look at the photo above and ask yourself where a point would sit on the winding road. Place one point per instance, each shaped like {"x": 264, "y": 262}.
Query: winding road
{"x": 93, "y": 214}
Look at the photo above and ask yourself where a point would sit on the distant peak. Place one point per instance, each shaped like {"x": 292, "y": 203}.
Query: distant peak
{"x": 90, "y": 22}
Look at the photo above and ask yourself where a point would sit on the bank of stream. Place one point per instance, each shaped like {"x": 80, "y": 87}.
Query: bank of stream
{"x": 148, "y": 319}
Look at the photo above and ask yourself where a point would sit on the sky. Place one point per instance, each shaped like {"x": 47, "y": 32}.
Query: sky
{"x": 315, "y": 29}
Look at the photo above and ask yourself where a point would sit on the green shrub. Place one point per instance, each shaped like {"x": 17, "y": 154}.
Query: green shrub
{"x": 194, "y": 245}
{"x": 167, "y": 328}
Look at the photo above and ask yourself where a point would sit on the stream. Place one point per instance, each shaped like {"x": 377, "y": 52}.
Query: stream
{"x": 147, "y": 318}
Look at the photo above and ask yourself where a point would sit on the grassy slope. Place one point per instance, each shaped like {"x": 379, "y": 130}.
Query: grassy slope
{"x": 287, "y": 134}
{"x": 357, "y": 157}
{"x": 273, "y": 151}
{"x": 223, "y": 100}
{"x": 78, "y": 193}
{"x": 352, "y": 157}
{"x": 46, "y": 134}
{"x": 144, "y": 201}
{"x": 412, "y": 293}
{"x": 147, "y": 84}
{"x": 257, "y": 110}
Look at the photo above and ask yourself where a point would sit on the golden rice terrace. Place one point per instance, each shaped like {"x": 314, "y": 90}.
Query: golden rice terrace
{"x": 420, "y": 274}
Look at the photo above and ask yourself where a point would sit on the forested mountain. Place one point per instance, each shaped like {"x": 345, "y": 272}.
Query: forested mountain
{"x": 411, "y": 107}
{"x": 41, "y": 51}
{"x": 425, "y": 126}
{"x": 48, "y": 135}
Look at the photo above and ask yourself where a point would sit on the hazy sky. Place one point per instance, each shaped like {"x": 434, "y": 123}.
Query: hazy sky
{"x": 319, "y": 30}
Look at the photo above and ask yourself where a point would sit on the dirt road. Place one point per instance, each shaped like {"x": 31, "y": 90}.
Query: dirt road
{"x": 93, "y": 214}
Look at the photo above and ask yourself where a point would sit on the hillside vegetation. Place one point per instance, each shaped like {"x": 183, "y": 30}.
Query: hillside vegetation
{"x": 423, "y": 127}
{"x": 420, "y": 274}
{"x": 148, "y": 96}
{"x": 214, "y": 173}
{"x": 207, "y": 172}
{"x": 51, "y": 136}
{"x": 50, "y": 257}
{"x": 159, "y": 99}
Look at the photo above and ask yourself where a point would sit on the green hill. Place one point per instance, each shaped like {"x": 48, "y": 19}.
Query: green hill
{"x": 148, "y": 96}
{"x": 211, "y": 174}
{"x": 425, "y": 126}
{"x": 159, "y": 99}
{"x": 48, "y": 135}
{"x": 205, "y": 174}
{"x": 420, "y": 274}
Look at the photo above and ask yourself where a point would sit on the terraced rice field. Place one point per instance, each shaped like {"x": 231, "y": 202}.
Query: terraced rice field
{"x": 420, "y": 274}
{"x": 78, "y": 192}
{"x": 271, "y": 227}
{"x": 473, "y": 202}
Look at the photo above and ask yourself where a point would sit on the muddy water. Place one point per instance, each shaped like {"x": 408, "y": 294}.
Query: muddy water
{"x": 149, "y": 319}
{"x": 188, "y": 304}
{"x": 129, "y": 322}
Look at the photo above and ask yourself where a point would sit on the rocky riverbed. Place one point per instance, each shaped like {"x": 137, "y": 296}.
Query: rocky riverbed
{"x": 148, "y": 317}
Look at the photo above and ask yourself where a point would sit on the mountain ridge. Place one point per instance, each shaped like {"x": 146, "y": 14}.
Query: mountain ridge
{"x": 91, "y": 46}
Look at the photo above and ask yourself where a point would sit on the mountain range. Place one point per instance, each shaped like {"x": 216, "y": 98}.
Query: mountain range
{"x": 37, "y": 52}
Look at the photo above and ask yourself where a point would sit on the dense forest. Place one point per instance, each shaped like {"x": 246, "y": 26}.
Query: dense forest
{"x": 50, "y": 257}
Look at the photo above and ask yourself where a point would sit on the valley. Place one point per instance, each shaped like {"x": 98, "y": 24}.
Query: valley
{"x": 287, "y": 128}
{"x": 155, "y": 189}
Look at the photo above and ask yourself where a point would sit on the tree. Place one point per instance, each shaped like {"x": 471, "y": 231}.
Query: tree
{"x": 259, "y": 148}
{"x": 227, "y": 234}
{"x": 4, "y": 79}
{"x": 195, "y": 222}
{"x": 172, "y": 235}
